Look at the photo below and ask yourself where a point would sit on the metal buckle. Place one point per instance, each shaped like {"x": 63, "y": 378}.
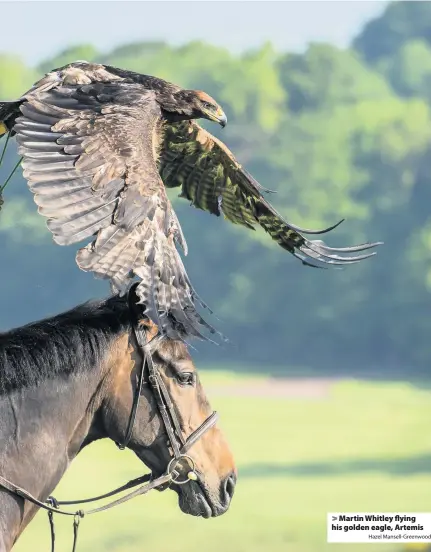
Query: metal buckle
{"x": 182, "y": 469}
{"x": 152, "y": 378}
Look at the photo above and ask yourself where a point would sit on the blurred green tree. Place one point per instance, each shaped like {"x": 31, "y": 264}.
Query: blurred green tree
{"x": 401, "y": 22}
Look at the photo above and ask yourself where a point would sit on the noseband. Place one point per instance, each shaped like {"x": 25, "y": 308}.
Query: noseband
{"x": 180, "y": 469}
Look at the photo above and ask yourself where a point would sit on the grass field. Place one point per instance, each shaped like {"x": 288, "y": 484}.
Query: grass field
{"x": 363, "y": 446}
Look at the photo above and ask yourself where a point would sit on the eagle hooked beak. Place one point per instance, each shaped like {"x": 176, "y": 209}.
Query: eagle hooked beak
{"x": 219, "y": 116}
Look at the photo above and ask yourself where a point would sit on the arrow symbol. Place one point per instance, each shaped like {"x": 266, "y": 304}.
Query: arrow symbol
{"x": 334, "y": 518}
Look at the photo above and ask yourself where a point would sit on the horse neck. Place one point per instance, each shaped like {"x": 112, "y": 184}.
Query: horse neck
{"x": 41, "y": 430}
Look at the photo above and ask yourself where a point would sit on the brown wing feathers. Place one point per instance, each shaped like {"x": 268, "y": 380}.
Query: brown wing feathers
{"x": 89, "y": 161}
{"x": 60, "y": 172}
{"x": 214, "y": 181}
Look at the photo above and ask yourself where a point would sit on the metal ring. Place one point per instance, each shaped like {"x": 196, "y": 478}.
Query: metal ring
{"x": 172, "y": 465}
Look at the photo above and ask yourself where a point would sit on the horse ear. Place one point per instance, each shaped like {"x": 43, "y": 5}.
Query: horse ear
{"x": 151, "y": 329}
{"x": 141, "y": 320}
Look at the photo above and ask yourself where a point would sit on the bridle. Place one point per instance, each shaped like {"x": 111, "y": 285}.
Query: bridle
{"x": 180, "y": 469}
{"x": 180, "y": 464}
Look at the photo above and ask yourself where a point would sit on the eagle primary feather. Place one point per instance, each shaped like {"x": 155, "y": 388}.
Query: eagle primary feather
{"x": 99, "y": 145}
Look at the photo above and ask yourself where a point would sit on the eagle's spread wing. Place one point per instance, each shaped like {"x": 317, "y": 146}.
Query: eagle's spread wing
{"x": 89, "y": 158}
{"x": 214, "y": 181}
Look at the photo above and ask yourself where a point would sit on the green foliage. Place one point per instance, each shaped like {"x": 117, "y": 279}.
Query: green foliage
{"x": 400, "y": 23}
{"x": 85, "y": 52}
{"x": 409, "y": 70}
{"x": 325, "y": 76}
{"x": 20, "y": 224}
{"x": 336, "y": 138}
{"x": 16, "y": 77}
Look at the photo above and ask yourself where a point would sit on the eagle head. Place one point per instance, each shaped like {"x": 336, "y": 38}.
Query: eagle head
{"x": 194, "y": 104}
{"x": 209, "y": 108}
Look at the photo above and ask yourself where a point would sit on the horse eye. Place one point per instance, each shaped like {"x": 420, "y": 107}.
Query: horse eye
{"x": 186, "y": 378}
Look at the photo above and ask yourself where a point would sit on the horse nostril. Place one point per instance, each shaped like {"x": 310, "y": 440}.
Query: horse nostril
{"x": 230, "y": 485}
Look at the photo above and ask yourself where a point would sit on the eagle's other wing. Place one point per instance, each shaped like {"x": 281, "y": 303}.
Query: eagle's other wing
{"x": 89, "y": 158}
{"x": 213, "y": 180}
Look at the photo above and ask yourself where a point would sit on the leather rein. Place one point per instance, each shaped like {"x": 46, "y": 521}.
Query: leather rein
{"x": 180, "y": 469}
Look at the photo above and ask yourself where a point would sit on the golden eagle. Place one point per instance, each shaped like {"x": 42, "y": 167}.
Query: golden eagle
{"x": 99, "y": 147}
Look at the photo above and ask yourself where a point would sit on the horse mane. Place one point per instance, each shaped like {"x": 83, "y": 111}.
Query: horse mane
{"x": 74, "y": 341}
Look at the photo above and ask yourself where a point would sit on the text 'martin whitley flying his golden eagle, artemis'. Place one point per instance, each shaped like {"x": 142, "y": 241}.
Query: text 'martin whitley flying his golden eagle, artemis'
{"x": 99, "y": 146}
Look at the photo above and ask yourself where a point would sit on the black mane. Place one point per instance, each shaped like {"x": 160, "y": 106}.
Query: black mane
{"x": 73, "y": 341}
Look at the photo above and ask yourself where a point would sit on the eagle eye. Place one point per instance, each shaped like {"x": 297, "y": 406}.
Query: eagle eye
{"x": 207, "y": 105}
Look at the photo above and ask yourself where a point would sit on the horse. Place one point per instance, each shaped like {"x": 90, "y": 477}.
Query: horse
{"x": 102, "y": 370}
